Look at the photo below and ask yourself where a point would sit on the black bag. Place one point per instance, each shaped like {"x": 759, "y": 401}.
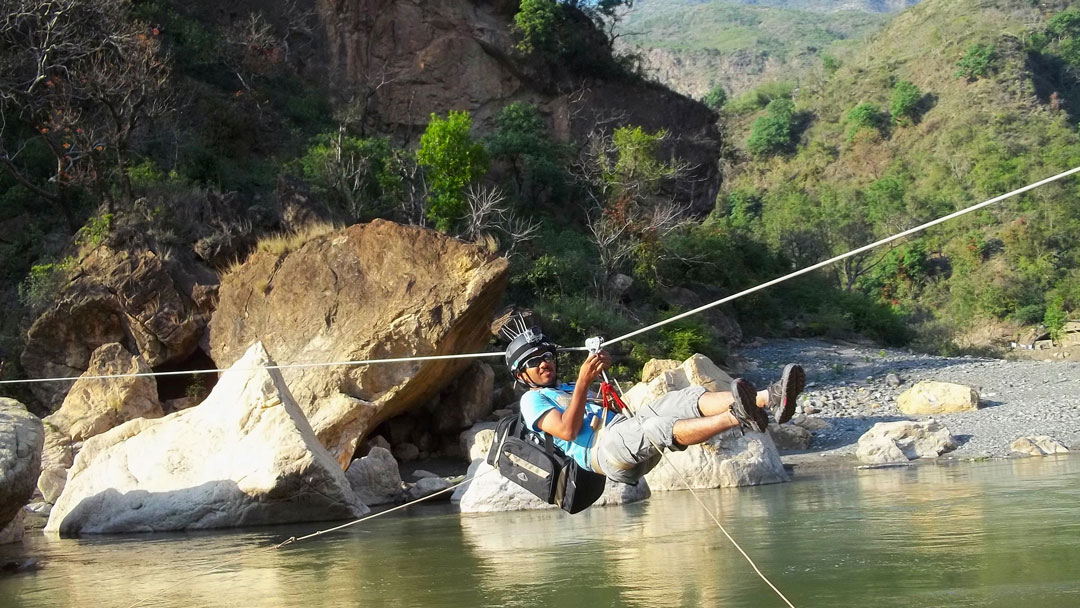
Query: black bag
{"x": 533, "y": 462}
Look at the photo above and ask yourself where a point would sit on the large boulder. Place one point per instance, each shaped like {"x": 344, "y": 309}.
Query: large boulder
{"x": 476, "y": 442}
{"x": 371, "y": 291}
{"x": 245, "y": 456}
{"x": 21, "y": 438}
{"x": 93, "y": 406}
{"x": 727, "y": 460}
{"x": 698, "y": 370}
{"x": 937, "y": 398}
{"x": 127, "y": 293}
{"x": 897, "y": 442}
{"x": 489, "y": 491}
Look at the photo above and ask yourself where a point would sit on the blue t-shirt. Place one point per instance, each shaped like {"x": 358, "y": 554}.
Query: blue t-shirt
{"x": 535, "y": 403}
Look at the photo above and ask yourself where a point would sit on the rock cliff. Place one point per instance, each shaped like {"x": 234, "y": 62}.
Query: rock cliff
{"x": 398, "y": 61}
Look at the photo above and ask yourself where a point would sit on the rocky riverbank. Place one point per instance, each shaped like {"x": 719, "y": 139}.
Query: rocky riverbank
{"x": 853, "y": 386}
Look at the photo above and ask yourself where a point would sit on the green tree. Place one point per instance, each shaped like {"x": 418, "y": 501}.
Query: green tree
{"x": 354, "y": 173}
{"x": 771, "y": 134}
{"x": 536, "y": 22}
{"x": 452, "y": 159}
{"x": 904, "y": 106}
{"x": 1065, "y": 24}
{"x": 522, "y": 140}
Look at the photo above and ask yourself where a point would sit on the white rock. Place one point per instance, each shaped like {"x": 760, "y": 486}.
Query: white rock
{"x": 245, "y": 456}
{"x": 476, "y": 441}
{"x": 905, "y": 440}
{"x": 489, "y": 491}
{"x": 728, "y": 460}
{"x": 375, "y": 478}
{"x": 22, "y": 437}
{"x": 426, "y": 487}
{"x": 1040, "y": 445}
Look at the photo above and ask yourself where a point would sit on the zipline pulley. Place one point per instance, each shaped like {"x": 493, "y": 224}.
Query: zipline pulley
{"x": 609, "y": 397}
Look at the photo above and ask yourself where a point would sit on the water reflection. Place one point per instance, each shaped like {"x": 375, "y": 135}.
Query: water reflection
{"x": 997, "y": 534}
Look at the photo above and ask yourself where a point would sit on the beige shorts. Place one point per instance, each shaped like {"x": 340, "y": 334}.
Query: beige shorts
{"x": 628, "y": 448}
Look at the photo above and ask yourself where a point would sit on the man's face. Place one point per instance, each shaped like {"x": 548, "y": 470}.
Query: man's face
{"x": 540, "y": 369}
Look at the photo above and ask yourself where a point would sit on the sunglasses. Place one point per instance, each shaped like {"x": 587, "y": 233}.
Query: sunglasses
{"x": 538, "y": 359}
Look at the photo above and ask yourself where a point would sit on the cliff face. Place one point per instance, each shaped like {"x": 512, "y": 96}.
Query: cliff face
{"x": 396, "y": 62}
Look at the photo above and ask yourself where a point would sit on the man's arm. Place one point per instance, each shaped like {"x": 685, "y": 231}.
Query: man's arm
{"x": 566, "y": 425}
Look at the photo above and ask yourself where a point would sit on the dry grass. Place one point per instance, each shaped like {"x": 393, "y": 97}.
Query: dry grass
{"x": 286, "y": 242}
{"x": 283, "y": 243}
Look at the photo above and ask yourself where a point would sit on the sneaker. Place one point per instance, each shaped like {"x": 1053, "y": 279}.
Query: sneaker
{"x": 745, "y": 409}
{"x": 783, "y": 393}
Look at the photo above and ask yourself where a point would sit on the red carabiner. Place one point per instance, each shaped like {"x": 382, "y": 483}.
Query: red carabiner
{"x": 611, "y": 398}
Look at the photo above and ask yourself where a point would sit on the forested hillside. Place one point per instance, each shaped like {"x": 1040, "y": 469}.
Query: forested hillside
{"x": 953, "y": 103}
{"x": 730, "y": 46}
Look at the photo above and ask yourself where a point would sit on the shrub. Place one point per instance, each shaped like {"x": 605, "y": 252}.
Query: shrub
{"x": 715, "y": 98}
{"x": 771, "y": 134}
{"x": 830, "y": 63}
{"x": 904, "y": 106}
{"x": 452, "y": 159}
{"x": 1065, "y": 24}
{"x": 95, "y": 231}
{"x": 356, "y": 174}
{"x": 976, "y": 62}
{"x": 862, "y": 116}
{"x": 45, "y": 282}
{"x": 1055, "y": 318}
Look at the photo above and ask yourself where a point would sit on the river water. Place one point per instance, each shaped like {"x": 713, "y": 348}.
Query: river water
{"x": 1002, "y": 533}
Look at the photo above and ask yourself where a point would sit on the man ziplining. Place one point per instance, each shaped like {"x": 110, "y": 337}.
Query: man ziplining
{"x": 626, "y": 448}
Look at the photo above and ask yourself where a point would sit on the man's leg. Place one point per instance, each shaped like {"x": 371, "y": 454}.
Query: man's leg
{"x": 698, "y": 430}
{"x": 720, "y": 412}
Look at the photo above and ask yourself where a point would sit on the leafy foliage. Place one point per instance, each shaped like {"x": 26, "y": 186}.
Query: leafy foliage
{"x": 976, "y": 63}
{"x": 356, "y": 174}
{"x": 536, "y": 23}
{"x": 453, "y": 160}
{"x": 904, "y": 105}
{"x": 771, "y": 134}
{"x": 716, "y": 97}
{"x": 863, "y": 116}
{"x": 522, "y": 140}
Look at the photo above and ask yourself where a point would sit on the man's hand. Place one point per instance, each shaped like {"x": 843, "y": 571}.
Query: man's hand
{"x": 593, "y": 365}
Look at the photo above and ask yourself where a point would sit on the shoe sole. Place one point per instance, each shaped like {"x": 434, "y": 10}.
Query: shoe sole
{"x": 792, "y": 383}
{"x": 751, "y": 417}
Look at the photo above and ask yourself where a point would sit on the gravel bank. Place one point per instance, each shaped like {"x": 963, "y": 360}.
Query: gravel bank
{"x": 847, "y": 387}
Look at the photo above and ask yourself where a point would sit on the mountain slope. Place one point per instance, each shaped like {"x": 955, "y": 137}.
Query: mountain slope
{"x": 693, "y": 46}
{"x": 994, "y": 87}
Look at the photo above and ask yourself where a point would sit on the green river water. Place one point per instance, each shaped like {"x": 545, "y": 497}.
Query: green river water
{"x": 1002, "y": 533}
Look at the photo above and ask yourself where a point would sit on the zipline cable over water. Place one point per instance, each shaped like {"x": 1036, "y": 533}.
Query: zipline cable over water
{"x": 632, "y": 334}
